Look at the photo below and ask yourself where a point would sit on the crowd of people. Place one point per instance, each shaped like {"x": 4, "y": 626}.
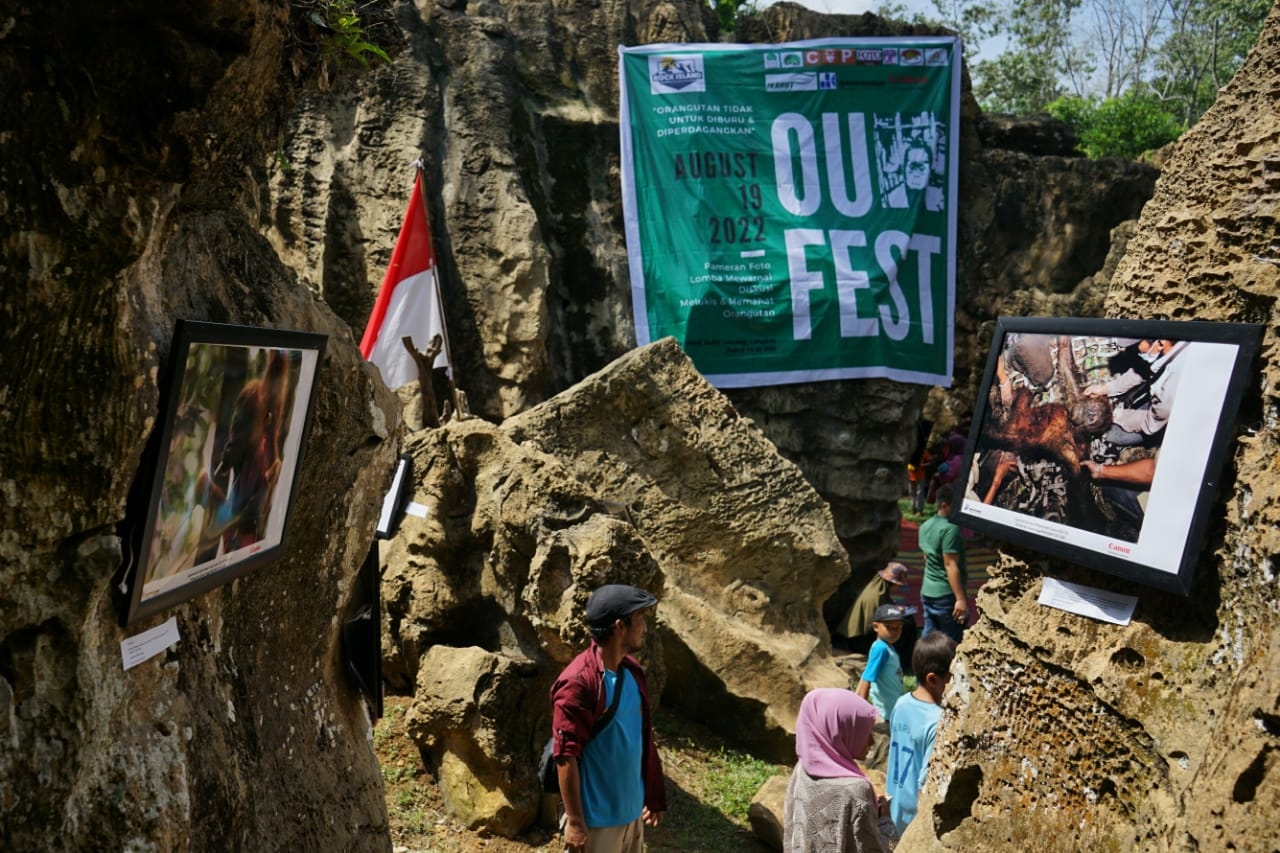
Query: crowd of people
{"x": 831, "y": 804}
{"x": 1102, "y": 405}
{"x": 609, "y": 772}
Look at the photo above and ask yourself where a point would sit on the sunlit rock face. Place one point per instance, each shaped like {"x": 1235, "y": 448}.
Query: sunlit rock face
{"x": 155, "y": 169}
{"x": 1163, "y": 734}
{"x": 133, "y": 139}
{"x": 642, "y": 474}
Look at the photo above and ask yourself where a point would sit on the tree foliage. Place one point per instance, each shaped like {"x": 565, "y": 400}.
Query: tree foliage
{"x": 729, "y": 11}
{"x": 1147, "y": 60}
{"x": 973, "y": 22}
{"x": 1127, "y": 126}
{"x": 1206, "y": 44}
{"x": 1027, "y": 78}
{"x": 1128, "y": 75}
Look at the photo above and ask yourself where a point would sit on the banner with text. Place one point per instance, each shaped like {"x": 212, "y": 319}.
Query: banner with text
{"x": 791, "y": 208}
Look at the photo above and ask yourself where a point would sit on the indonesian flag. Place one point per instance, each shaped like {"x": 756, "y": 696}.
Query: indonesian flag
{"x": 408, "y": 303}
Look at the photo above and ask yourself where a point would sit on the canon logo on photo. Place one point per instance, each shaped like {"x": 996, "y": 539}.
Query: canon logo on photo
{"x": 1115, "y": 546}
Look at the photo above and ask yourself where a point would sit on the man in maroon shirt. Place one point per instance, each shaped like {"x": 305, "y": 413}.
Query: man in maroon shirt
{"x": 610, "y": 775}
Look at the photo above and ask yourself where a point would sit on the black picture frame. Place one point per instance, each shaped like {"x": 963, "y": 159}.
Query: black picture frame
{"x": 393, "y": 502}
{"x": 1171, "y": 390}
{"x": 236, "y": 412}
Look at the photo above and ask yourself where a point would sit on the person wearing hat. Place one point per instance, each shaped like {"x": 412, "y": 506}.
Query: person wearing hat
{"x": 881, "y": 679}
{"x": 610, "y": 775}
{"x": 856, "y": 624}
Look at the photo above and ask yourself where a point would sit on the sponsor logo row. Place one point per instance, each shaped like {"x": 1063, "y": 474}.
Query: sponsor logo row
{"x": 670, "y": 74}
{"x": 928, "y": 56}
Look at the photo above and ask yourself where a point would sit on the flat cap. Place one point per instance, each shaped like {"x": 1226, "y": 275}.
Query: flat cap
{"x": 614, "y": 601}
{"x": 892, "y": 613}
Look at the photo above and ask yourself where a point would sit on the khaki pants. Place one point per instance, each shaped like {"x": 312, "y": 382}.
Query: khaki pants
{"x": 628, "y": 838}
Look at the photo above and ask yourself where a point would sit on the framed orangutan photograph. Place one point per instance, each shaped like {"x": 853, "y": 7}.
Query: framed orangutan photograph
{"x": 1102, "y": 441}
{"x": 235, "y": 411}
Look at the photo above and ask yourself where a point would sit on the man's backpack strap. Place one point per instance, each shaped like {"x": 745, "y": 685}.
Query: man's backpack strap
{"x": 607, "y": 717}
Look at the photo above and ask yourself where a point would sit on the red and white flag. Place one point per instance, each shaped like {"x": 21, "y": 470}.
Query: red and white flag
{"x": 408, "y": 303}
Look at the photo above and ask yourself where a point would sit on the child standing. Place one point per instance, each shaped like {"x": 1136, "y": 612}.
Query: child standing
{"x": 915, "y": 721}
{"x": 881, "y": 680}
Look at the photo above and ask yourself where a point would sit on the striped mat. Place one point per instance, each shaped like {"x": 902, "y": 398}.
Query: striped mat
{"x": 979, "y": 555}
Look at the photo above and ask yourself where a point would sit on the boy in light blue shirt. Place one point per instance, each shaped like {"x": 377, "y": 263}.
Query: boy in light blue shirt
{"x": 881, "y": 679}
{"x": 915, "y": 721}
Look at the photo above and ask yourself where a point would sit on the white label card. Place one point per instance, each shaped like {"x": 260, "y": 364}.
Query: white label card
{"x": 140, "y": 647}
{"x": 1088, "y": 601}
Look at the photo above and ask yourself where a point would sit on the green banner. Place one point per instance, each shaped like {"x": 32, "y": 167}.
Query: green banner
{"x": 791, "y": 208}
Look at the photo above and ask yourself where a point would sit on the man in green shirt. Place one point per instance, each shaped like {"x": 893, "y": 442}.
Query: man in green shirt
{"x": 946, "y": 608}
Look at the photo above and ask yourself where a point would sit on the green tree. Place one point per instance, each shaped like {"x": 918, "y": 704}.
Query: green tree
{"x": 729, "y": 11}
{"x": 1040, "y": 59}
{"x": 1127, "y": 126}
{"x": 1205, "y": 46}
{"x": 1179, "y": 51}
{"x": 973, "y": 22}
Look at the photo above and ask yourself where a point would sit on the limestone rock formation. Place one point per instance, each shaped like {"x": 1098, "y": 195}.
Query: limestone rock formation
{"x": 144, "y": 179}
{"x": 129, "y": 180}
{"x": 509, "y": 551}
{"x": 484, "y": 602}
{"x": 1164, "y": 734}
{"x": 746, "y": 545}
{"x": 1040, "y": 134}
{"x": 642, "y": 474}
{"x": 766, "y": 811}
{"x": 522, "y": 162}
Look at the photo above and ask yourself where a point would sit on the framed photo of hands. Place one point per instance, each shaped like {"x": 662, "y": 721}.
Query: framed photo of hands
{"x": 1102, "y": 441}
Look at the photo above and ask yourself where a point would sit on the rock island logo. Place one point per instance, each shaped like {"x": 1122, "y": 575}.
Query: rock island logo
{"x": 676, "y": 74}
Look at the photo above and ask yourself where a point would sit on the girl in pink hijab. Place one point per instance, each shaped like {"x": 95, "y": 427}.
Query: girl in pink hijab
{"x": 831, "y": 806}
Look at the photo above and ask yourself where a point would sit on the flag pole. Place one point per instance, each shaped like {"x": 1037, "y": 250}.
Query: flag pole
{"x": 420, "y": 168}
{"x": 458, "y": 398}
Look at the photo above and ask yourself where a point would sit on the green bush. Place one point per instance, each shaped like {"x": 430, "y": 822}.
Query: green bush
{"x": 729, "y": 11}
{"x": 1127, "y": 126}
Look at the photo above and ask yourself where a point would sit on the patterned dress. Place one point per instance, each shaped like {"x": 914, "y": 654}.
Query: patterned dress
{"x": 834, "y": 816}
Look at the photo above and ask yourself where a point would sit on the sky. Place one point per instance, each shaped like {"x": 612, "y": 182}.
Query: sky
{"x": 990, "y": 49}
{"x": 857, "y": 7}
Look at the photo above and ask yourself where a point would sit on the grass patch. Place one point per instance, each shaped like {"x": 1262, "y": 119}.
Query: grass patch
{"x": 709, "y": 789}
{"x": 930, "y": 510}
{"x": 733, "y": 778}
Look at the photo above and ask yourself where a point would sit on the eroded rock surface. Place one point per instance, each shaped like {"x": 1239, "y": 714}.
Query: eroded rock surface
{"x": 642, "y": 474}
{"x": 746, "y": 545}
{"x": 1163, "y": 734}
{"x": 520, "y": 143}
{"x": 131, "y": 139}
{"x": 484, "y": 599}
